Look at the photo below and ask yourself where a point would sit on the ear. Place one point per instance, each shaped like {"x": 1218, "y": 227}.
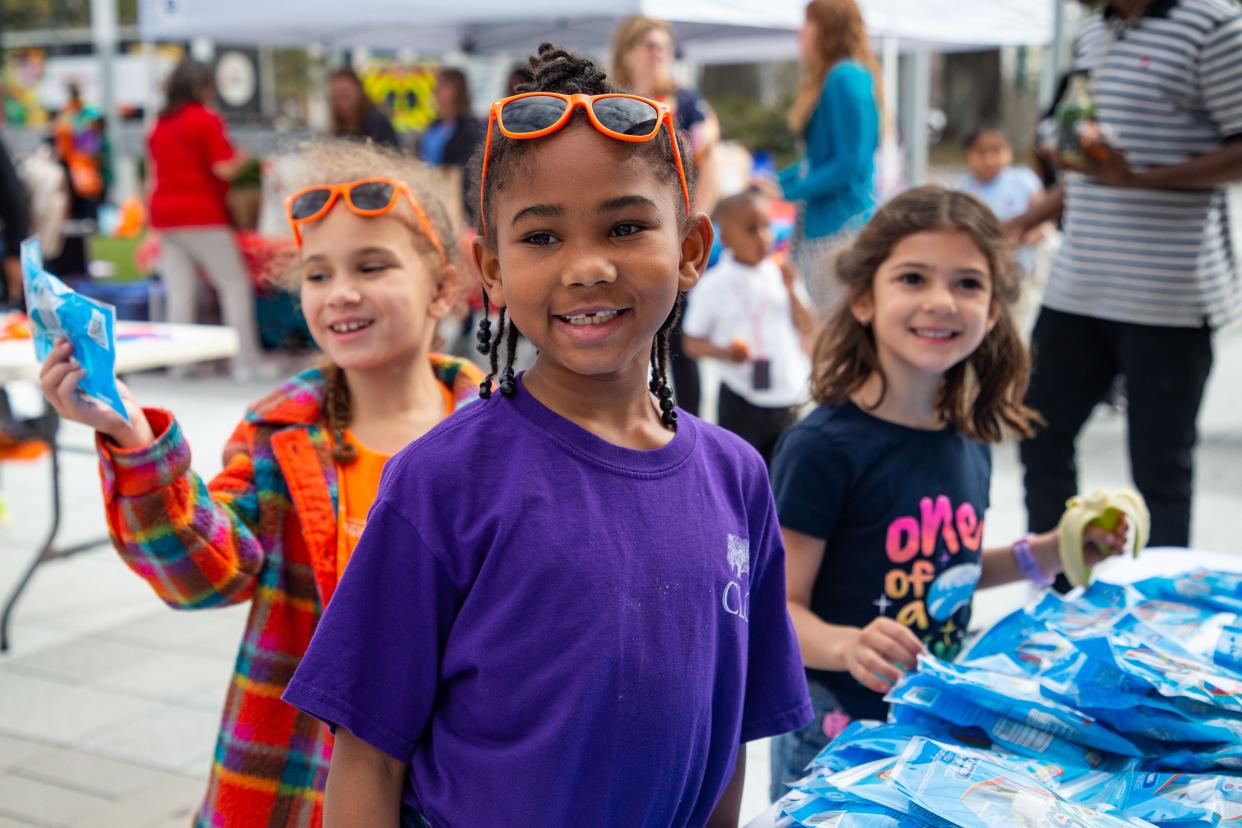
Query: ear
{"x": 444, "y": 292}
{"x": 863, "y": 308}
{"x": 696, "y": 249}
{"x": 487, "y": 261}
{"x": 994, "y": 314}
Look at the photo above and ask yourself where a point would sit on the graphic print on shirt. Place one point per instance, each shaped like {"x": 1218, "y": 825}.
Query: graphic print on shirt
{"x": 935, "y": 557}
{"x": 736, "y": 596}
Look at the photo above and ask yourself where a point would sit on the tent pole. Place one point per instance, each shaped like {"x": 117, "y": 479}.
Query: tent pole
{"x": 104, "y": 36}
{"x": 916, "y": 98}
{"x": 888, "y": 179}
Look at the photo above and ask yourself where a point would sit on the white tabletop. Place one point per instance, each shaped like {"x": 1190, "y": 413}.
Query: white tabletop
{"x": 1150, "y": 563}
{"x": 140, "y": 346}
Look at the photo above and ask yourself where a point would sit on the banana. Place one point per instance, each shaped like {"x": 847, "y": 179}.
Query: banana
{"x": 1101, "y": 507}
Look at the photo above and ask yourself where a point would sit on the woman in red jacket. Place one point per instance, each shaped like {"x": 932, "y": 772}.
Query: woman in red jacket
{"x": 192, "y": 163}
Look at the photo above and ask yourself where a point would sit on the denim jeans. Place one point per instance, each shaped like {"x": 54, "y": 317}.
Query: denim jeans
{"x": 792, "y": 752}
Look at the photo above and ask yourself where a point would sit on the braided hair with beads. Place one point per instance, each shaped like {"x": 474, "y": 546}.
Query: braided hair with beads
{"x": 555, "y": 69}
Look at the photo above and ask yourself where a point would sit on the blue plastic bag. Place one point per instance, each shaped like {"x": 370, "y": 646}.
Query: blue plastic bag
{"x": 1185, "y": 800}
{"x": 973, "y": 790}
{"x": 56, "y": 310}
{"x": 830, "y": 807}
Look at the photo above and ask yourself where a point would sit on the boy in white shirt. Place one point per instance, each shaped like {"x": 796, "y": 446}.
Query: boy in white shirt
{"x": 754, "y": 316}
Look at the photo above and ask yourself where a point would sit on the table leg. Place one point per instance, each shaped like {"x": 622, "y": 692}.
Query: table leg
{"x": 48, "y": 551}
{"x": 45, "y": 551}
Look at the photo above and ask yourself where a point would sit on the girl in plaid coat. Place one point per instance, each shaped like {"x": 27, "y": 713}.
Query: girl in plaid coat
{"x": 276, "y": 527}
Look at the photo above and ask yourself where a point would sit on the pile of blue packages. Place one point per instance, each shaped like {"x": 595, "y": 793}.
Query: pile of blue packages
{"x": 1118, "y": 705}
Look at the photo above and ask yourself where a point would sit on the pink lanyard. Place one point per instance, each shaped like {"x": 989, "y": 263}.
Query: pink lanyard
{"x": 756, "y": 319}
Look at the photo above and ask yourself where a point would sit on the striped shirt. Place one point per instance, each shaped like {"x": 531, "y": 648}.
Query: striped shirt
{"x": 1170, "y": 86}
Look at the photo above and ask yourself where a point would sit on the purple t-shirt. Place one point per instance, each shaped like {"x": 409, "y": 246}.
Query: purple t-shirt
{"x": 554, "y": 630}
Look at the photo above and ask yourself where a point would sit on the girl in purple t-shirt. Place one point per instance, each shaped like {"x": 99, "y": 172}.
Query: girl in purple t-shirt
{"x": 568, "y": 605}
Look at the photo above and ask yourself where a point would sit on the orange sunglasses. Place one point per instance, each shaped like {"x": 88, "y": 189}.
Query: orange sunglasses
{"x": 365, "y": 197}
{"x": 624, "y": 117}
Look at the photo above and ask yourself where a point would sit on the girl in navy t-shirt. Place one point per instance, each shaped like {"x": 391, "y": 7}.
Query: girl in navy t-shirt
{"x": 568, "y": 606}
{"x": 882, "y": 490}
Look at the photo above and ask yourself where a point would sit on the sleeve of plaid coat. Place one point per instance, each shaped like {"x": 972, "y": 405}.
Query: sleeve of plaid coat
{"x": 196, "y": 543}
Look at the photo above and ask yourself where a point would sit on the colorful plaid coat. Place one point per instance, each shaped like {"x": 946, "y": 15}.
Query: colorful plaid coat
{"x": 264, "y": 531}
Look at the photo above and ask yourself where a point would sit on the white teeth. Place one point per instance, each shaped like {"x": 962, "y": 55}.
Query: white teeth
{"x": 598, "y": 318}
{"x": 348, "y": 327}
{"x": 930, "y": 334}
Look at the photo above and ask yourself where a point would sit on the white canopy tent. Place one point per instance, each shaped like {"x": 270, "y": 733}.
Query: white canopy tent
{"x": 716, "y": 31}
{"x": 708, "y": 31}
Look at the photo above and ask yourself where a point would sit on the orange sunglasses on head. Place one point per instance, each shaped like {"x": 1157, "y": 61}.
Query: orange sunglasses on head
{"x": 365, "y": 197}
{"x": 624, "y": 117}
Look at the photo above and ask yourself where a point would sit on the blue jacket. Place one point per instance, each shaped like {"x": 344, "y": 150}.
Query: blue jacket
{"x": 835, "y": 175}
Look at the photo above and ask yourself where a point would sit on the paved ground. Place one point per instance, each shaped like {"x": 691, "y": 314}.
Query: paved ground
{"x": 109, "y": 701}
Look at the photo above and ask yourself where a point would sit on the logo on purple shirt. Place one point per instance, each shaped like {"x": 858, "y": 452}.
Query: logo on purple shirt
{"x": 735, "y": 600}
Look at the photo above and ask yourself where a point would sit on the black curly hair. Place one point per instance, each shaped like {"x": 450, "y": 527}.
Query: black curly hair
{"x": 555, "y": 69}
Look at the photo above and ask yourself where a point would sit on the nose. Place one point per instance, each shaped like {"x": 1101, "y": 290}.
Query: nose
{"x": 939, "y": 298}
{"x": 343, "y": 292}
{"x": 589, "y": 271}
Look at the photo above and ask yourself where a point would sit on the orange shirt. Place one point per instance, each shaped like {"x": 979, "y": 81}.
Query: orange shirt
{"x": 357, "y": 485}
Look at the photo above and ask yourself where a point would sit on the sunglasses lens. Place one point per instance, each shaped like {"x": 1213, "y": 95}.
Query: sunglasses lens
{"x": 309, "y": 203}
{"x": 532, "y": 113}
{"x": 626, "y": 115}
{"x": 371, "y": 195}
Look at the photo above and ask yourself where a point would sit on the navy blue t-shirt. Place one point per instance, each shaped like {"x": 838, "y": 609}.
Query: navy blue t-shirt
{"x": 901, "y": 511}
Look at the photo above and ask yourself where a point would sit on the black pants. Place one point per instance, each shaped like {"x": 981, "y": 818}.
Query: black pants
{"x": 761, "y": 427}
{"x": 1075, "y": 360}
{"x": 685, "y": 373}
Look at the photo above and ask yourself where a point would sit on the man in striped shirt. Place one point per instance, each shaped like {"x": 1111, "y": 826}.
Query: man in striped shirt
{"x": 1147, "y": 270}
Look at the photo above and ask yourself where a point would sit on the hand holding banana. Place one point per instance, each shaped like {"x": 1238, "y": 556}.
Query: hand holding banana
{"x": 1103, "y": 509}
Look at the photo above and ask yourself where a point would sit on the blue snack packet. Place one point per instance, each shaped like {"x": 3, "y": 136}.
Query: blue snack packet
{"x": 973, "y": 790}
{"x": 1185, "y": 800}
{"x": 56, "y": 310}
{"x": 1220, "y": 591}
{"x": 830, "y": 807}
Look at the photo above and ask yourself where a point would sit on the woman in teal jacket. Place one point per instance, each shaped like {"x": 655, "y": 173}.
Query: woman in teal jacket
{"x": 836, "y": 115}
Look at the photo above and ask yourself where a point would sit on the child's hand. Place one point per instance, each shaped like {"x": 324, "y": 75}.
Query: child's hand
{"x": 738, "y": 351}
{"x": 879, "y": 653}
{"x": 59, "y": 378}
{"x": 789, "y": 274}
{"x": 1099, "y": 543}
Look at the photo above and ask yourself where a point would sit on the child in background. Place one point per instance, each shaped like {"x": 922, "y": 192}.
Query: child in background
{"x": 568, "y": 606}
{"x": 1010, "y": 191}
{"x": 882, "y": 490}
{"x": 277, "y": 525}
{"x": 752, "y": 314}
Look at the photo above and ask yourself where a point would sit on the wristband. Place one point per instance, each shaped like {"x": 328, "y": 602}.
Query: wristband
{"x": 1028, "y": 565}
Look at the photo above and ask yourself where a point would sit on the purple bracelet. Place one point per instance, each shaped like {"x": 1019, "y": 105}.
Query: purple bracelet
{"x": 1027, "y": 564}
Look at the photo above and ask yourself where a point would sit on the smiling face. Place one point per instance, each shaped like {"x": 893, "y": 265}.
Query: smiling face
{"x": 930, "y": 304}
{"x": 368, "y": 293}
{"x": 589, "y": 253}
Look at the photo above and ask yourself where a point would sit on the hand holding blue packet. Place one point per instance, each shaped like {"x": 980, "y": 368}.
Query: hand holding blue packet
{"x": 56, "y": 310}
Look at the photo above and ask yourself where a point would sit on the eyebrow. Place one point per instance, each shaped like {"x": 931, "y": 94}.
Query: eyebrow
{"x": 622, "y": 202}
{"x": 923, "y": 266}
{"x": 609, "y": 206}
{"x": 365, "y": 251}
{"x": 538, "y": 211}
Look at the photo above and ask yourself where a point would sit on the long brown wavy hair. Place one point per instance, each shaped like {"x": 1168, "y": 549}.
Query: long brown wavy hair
{"x": 334, "y": 161}
{"x": 981, "y": 396}
{"x": 625, "y": 37}
{"x": 840, "y": 35}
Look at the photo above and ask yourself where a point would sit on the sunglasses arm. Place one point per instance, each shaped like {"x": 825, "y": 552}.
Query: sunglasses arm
{"x": 487, "y": 151}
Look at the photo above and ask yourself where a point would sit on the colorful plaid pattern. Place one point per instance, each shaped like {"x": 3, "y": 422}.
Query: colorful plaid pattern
{"x": 263, "y": 530}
